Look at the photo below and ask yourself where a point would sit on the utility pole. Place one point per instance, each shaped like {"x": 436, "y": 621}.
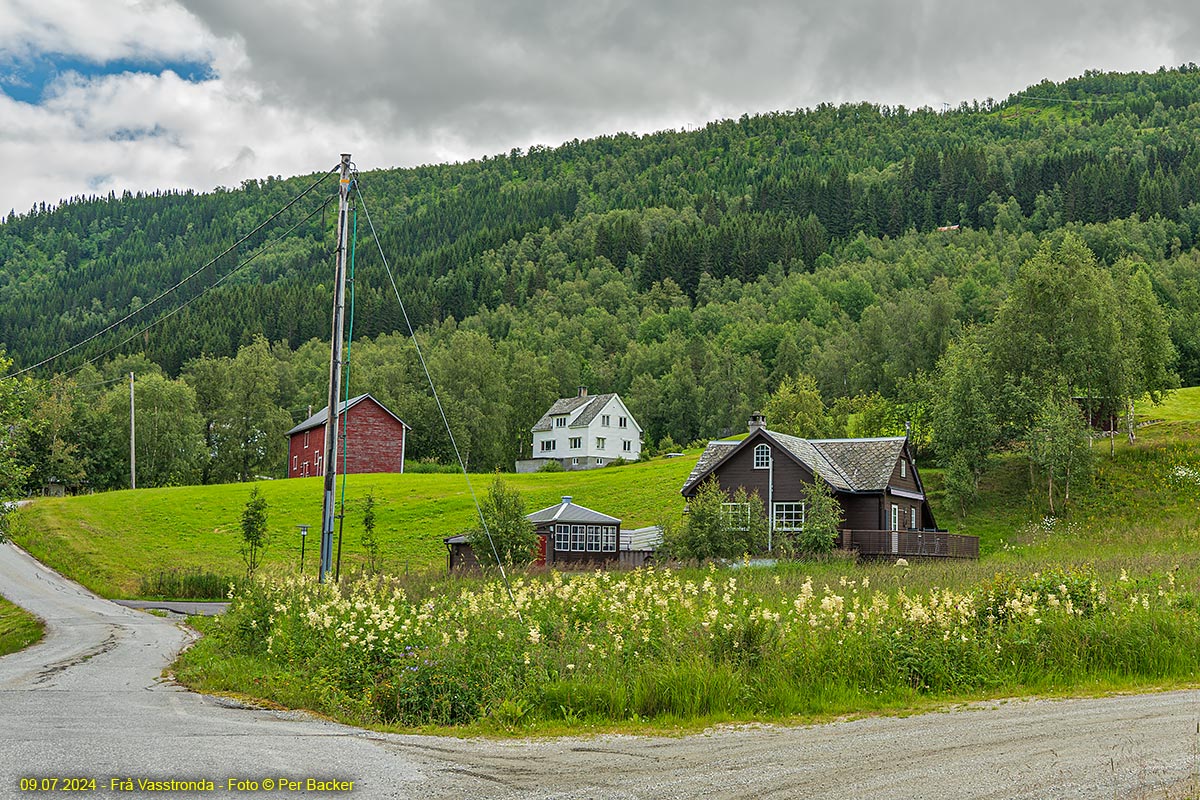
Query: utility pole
{"x": 132, "y": 451}
{"x": 335, "y": 369}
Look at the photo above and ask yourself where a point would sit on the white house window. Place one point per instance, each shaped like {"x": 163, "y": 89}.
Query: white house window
{"x": 610, "y": 538}
{"x": 600, "y": 442}
{"x": 599, "y": 462}
{"x": 912, "y": 518}
{"x": 593, "y": 538}
{"x": 895, "y": 517}
{"x": 578, "y": 540}
{"x": 295, "y": 462}
{"x": 317, "y": 465}
{"x": 306, "y": 439}
{"x": 562, "y": 537}
{"x": 789, "y": 516}
{"x": 604, "y": 420}
{"x": 576, "y": 442}
{"x": 903, "y": 468}
{"x": 575, "y": 461}
{"x": 762, "y": 456}
{"x": 547, "y": 444}
{"x": 627, "y": 446}
{"x": 736, "y": 516}
{"x": 622, "y": 422}
{"x": 560, "y": 422}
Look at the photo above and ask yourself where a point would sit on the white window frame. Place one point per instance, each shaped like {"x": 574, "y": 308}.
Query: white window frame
{"x": 295, "y": 463}
{"x": 575, "y": 442}
{"x": 627, "y": 446}
{"x": 593, "y": 538}
{"x": 762, "y": 456}
{"x": 562, "y": 537}
{"x": 912, "y": 517}
{"x": 622, "y": 422}
{"x": 903, "y": 468}
{"x": 599, "y": 462}
{"x": 600, "y": 442}
{"x": 895, "y": 517}
{"x": 578, "y": 538}
{"x": 736, "y": 516}
{"x": 560, "y": 422}
{"x": 609, "y": 539}
{"x": 548, "y": 445}
{"x": 604, "y": 420}
{"x": 306, "y": 439}
{"x": 575, "y": 461}
{"x": 790, "y": 516}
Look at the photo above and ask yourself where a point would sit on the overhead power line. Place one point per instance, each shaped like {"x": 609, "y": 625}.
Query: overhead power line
{"x": 180, "y": 283}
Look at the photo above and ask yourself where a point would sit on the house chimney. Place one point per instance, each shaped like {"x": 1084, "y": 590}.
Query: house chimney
{"x": 757, "y": 422}
{"x": 583, "y": 391}
{"x": 566, "y": 499}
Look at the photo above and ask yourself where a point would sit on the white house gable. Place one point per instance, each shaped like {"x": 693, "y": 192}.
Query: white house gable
{"x": 587, "y": 431}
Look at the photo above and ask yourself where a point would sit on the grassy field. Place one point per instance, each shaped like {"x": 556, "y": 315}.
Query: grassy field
{"x": 1182, "y": 405}
{"x": 18, "y": 628}
{"x": 1135, "y": 506}
{"x": 110, "y": 542}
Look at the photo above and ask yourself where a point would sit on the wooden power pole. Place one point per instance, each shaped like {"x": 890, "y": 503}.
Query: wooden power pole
{"x": 132, "y": 451}
{"x": 335, "y": 370}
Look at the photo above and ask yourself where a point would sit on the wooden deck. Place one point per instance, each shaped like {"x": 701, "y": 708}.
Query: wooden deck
{"x": 910, "y": 544}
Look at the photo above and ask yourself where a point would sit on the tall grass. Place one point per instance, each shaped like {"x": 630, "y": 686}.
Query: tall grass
{"x": 711, "y": 644}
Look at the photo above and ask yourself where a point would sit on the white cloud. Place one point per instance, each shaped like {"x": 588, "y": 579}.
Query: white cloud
{"x": 400, "y": 82}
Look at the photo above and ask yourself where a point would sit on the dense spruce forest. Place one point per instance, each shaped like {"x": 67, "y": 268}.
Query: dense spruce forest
{"x": 987, "y": 274}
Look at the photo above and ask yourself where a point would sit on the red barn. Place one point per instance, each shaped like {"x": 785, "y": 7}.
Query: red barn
{"x": 375, "y": 440}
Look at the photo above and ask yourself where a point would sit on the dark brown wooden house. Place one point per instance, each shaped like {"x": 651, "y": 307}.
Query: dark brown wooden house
{"x": 874, "y": 481}
{"x": 375, "y": 440}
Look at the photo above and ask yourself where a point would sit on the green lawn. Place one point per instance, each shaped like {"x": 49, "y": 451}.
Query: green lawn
{"x": 109, "y": 542}
{"x": 18, "y": 628}
{"x": 1182, "y": 405}
{"x": 1135, "y": 507}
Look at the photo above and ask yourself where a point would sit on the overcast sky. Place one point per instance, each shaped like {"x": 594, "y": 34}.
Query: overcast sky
{"x": 99, "y": 95}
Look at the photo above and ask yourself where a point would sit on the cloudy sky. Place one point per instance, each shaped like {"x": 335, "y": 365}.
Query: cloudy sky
{"x": 99, "y": 95}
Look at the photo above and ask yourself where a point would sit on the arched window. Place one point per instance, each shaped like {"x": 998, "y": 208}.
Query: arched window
{"x": 762, "y": 456}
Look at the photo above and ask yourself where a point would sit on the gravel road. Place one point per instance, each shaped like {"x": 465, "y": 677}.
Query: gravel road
{"x": 89, "y": 702}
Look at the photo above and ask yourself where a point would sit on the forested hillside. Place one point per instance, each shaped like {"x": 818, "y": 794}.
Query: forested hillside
{"x": 820, "y": 263}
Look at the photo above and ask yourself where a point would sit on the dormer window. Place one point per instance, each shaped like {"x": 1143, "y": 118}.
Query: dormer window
{"x": 762, "y": 456}
{"x": 560, "y": 422}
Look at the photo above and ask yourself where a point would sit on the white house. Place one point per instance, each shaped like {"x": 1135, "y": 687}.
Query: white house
{"x": 583, "y": 432}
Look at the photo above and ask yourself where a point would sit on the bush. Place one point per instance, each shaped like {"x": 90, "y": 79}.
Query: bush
{"x": 553, "y": 465}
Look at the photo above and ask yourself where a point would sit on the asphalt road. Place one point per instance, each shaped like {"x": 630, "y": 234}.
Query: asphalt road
{"x": 89, "y": 702}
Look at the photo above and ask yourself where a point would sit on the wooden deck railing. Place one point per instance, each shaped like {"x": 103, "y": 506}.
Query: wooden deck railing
{"x": 916, "y": 544}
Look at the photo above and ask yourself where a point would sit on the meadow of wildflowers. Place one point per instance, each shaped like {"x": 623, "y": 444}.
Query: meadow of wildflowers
{"x": 675, "y": 646}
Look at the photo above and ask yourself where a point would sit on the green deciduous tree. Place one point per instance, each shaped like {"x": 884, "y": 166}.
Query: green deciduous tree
{"x": 718, "y": 526}
{"x": 512, "y": 537}
{"x": 255, "y": 534}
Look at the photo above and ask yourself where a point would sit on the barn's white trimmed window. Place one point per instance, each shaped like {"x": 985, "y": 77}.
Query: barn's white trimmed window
{"x": 575, "y": 442}
{"x": 306, "y": 439}
{"x": 593, "y": 538}
{"x": 736, "y": 516}
{"x": 789, "y": 516}
{"x": 562, "y": 537}
{"x": 578, "y": 538}
{"x": 295, "y": 463}
{"x": 762, "y": 456}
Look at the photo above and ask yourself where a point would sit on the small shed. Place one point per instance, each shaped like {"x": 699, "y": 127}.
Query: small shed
{"x": 639, "y": 545}
{"x": 569, "y": 535}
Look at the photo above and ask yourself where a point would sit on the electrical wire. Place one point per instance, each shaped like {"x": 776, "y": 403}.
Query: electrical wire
{"x": 191, "y": 300}
{"x": 180, "y": 283}
{"x": 437, "y": 400}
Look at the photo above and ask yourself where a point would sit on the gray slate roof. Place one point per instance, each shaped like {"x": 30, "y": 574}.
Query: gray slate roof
{"x": 566, "y": 511}
{"x": 319, "y": 419}
{"x": 848, "y": 465}
{"x": 567, "y": 405}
